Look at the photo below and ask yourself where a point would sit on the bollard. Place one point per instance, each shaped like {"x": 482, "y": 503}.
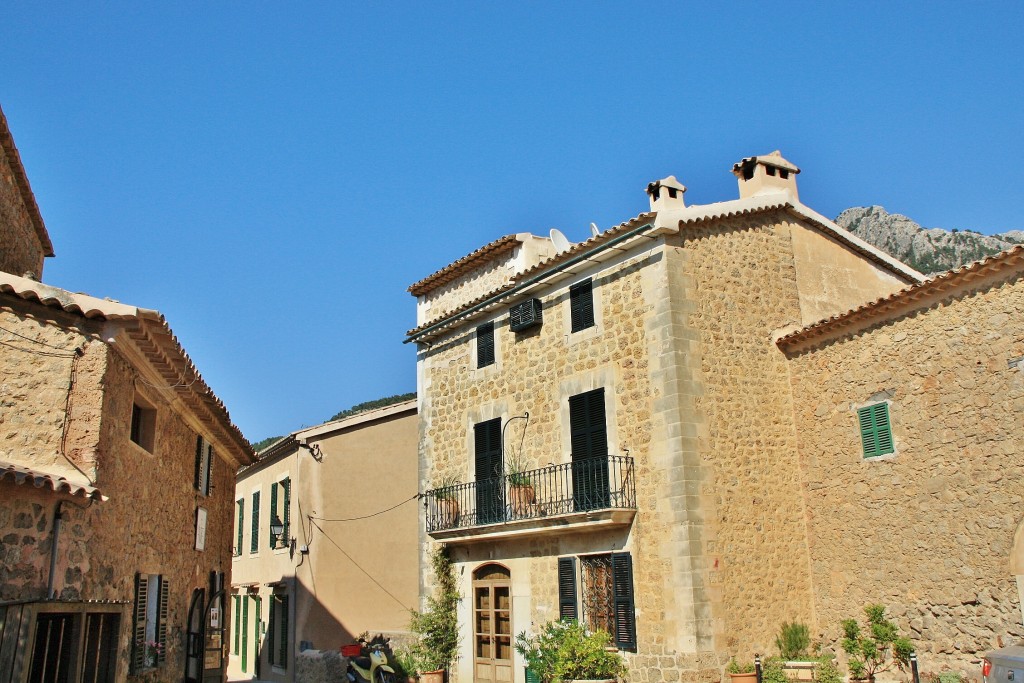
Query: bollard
{"x": 913, "y": 668}
{"x": 757, "y": 667}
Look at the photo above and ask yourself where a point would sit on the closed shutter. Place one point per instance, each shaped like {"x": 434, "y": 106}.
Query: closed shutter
{"x": 485, "y": 345}
{"x": 257, "y": 605}
{"x": 875, "y": 430}
{"x": 625, "y": 611}
{"x": 139, "y": 623}
{"x": 161, "y": 624}
{"x": 567, "y": 607}
{"x": 490, "y": 491}
{"x": 287, "y": 484}
{"x": 241, "y": 521}
{"x": 282, "y": 654}
{"x": 273, "y": 513}
{"x": 270, "y": 631}
{"x": 208, "y": 482}
{"x": 581, "y": 305}
{"x": 589, "y": 443}
{"x": 199, "y": 463}
{"x": 238, "y": 622}
{"x": 245, "y": 632}
{"x": 254, "y": 541}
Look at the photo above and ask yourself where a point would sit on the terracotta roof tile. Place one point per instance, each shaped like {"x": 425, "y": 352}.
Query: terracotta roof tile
{"x": 464, "y": 264}
{"x": 54, "y": 482}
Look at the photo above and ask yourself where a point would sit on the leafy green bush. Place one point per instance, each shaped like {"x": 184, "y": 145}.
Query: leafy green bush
{"x": 734, "y": 667}
{"x": 437, "y": 627}
{"x": 827, "y": 671}
{"x": 772, "y": 671}
{"x": 878, "y": 650}
{"x": 793, "y": 641}
{"x": 565, "y": 650}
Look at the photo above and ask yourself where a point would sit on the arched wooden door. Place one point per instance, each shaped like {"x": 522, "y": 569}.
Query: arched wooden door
{"x": 492, "y": 624}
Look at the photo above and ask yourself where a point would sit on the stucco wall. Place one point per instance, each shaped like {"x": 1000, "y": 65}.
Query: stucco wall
{"x": 928, "y": 532}
{"x": 20, "y": 250}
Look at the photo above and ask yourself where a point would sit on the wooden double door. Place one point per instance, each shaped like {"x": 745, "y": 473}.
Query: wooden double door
{"x": 492, "y": 625}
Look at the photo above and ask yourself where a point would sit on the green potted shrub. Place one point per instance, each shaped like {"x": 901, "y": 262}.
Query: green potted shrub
{"x": 567, "y": 651}
{"x": 521, "y": 493}
{"x": 741, "y": 672}
{"x": 878, "y": 649}
{"x": 437, "y": 627}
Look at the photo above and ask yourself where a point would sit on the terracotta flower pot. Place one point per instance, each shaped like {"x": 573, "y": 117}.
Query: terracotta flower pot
{"x": 432, "y": 676}
{"x": 750, "y": 677}
{"x": 448, "y": 512}
{"x": 520, "y": 498}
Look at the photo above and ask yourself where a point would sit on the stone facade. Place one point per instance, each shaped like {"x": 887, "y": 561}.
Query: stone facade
{"x": 930, "y": 530}
{"x": 23, "y": 237}
{"x": 696, "y": 394}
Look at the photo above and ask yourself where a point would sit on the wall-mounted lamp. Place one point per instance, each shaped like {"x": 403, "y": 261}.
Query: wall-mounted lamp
{"x": 314, "y": 450}
{"x": 277, "y": 529}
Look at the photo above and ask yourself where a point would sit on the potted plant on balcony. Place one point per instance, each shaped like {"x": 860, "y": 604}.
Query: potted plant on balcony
{"x": 437, "y": 627}
{"x": 521, "y": 493}
{"x": 446, "y": 502}
{"x": 567, "y": 651}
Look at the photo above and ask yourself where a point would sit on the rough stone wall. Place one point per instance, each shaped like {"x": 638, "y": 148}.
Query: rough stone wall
{"x": 739, "y": 287}
{"x": 20, "y": 250}
{"x": 473, "y": 284}
{"x": 147, "y": 524}
{"x": 929, "y": 532}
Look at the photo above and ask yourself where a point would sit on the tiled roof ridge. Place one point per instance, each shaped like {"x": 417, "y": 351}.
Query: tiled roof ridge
{"x": 879, "y": 308}
{"x": 152, "y": 324}
{"x": 467, "y": 262}
{"x": 24, "y": 188}
{"x": 546, "y": 263}
{"x": 56, "y": 482}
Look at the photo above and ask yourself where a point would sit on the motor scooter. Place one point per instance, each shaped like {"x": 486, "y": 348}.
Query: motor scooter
{"x": 370, "y": 669}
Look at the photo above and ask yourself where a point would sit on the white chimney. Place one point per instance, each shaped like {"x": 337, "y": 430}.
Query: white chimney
{"x": 666, "y": 194}
{"x": 767, "y": 174}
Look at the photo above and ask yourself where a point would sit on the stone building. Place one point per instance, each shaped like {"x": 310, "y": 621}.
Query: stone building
{"x": 117, "y": 467}
{"x": 607, "y": 428}
{"x": 326, "y": 534}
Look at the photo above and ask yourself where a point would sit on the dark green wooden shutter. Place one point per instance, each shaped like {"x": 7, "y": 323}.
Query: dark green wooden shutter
{"x": 238, "y": 621}
{"x": 282, "y": 654}
{"x": 485, "y": 345}
{"x": 625, "y": 610}
{"x": 875, "y": 430}
{"x": 199, "y": 463}
{"x": 254, "y": 542}
{"x": 257, "y": 605}
{"x": 287, "y": 484}
{"x": 139, "y": 623}
{"x": 273, "y": 513}
{"x": 531, "y": 677}
{"x": 162, "y": 619}
{"x": 581, "y": 305}
{"x": 208, "y": 485}
{"x": 245, "y": 632}
{"x": 567, "y": 608}
{"x": 271, "y": 631}
{"x": 490, "y": 491}
{"x": 589, "y": 443}
{"x": 241, "y": 521}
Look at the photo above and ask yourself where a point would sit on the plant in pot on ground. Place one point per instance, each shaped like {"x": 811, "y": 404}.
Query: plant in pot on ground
{"x": 437, "y": 627}
{"x": 567, "y": 651}
{"x": 741, "y": 672}
{"x": 878, "y": 648}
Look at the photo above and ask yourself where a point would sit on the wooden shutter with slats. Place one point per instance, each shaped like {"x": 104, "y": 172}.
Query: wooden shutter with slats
{"x": 485, "y": 345}
{"x": 581, "y": 305}
{"x": 490, "y": 490}
{"x": 161, "y": 624}
{"x": 139, "y": 622}
{"x": 567, "y": 606}
{"x": 625, "y": 610}
{"x": 273, "y": 513}
{"x": 875, "y": 430}
{"x": 282, "y": 653}
{"x": 254, "y": 541}
{"x": 287, "y": 484}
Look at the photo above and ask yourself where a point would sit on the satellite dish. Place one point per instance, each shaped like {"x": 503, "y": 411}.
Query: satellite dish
{"x": 594, "y": 232}
{"x": 560, "y": 241}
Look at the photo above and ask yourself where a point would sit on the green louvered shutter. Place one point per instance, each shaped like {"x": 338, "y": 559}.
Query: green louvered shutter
{"x": 485, "y": 345}
{"x": 245, "y": 632}
{"x": 257, "y": 605}
{"x": 625, "y": 610}
{"x": 287, "y": 484}
{"x": 161, "y": 624}
{"x": 875, "y": 430}
{"x": 567, "y": 609}
{"x": 282, "y": 654}
{"x": 589, "y": 443}
{"x": 254, "y": 542}
{"x": 241, "y": 521}
{"x": 273, "y": 513}
{"x": 271, "y": 635}
{"x": 490, "y": 488}
{"x": 238, "y": 622}
{"x": 139, "y": 622}
{"x": 581, "y": 305}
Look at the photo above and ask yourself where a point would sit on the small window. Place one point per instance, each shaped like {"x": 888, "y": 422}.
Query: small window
{"x": 149, "y": 646}
{"x": 485, "y": 345}
{"x": 581, "y": 305}
{"x": 875, "y": 430}
{"x": 605, "y": 598}
{"x": 280, "y": 510}
{"x": 143, "y": 429}
{"x": 204, "y": 463}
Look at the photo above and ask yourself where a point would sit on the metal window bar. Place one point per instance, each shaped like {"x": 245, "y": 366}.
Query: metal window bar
{"x": 598, "y": 592}
{"x": 580, "y": 486}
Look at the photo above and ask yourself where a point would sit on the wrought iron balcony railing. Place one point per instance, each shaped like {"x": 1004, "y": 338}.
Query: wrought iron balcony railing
{"x": 583, "y": 485}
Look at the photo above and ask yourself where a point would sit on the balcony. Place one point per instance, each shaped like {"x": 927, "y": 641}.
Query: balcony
{"x": 588, "y": 494}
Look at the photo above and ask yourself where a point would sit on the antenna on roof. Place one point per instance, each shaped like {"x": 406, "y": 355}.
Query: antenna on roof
{"x": 559, "y": 240}
{"x": 594, "y": 232}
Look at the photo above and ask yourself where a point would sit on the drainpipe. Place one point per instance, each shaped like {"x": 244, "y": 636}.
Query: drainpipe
{"x": 57, "y": 517}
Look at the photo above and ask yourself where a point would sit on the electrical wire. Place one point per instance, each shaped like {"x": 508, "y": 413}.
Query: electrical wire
{"x": 179, "y": 385}
{"x": 50, "y": 354}
{"x": 355, "y": 519}
{"x": 34, "y": 341}
{"x": 368, "y": 575}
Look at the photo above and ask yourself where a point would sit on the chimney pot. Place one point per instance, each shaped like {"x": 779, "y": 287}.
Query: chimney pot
{"x": 666, "y": 193}
{"x": 766, "y": 174}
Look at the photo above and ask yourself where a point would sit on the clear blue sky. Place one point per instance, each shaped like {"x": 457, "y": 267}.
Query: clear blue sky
{"x": 273, "y": 176}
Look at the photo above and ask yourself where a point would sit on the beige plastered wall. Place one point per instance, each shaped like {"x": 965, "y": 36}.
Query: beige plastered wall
{"x": 147, "y": 524}
{"x": 929, "y": 531}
